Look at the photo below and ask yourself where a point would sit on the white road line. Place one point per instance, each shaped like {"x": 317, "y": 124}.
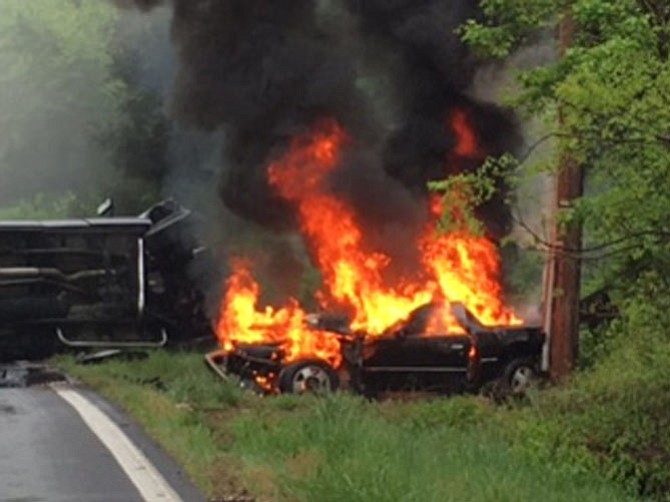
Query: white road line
{"x": 146, "y": 478}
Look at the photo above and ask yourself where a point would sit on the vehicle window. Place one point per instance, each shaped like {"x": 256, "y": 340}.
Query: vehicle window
{"x": 432, "y": 320}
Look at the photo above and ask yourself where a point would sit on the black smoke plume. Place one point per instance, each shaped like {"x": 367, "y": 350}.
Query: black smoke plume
{"x": 432, "y": 71}
{"x": 392, "y": 72}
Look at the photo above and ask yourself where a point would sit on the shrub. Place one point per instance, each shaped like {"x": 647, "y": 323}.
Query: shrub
{"x": 613, "y": 417}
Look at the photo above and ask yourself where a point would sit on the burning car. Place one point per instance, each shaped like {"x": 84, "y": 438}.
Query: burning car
{"x": 411, "y": 355}
{"x": 400, "y": 332}
{"x": 105, "y": 281}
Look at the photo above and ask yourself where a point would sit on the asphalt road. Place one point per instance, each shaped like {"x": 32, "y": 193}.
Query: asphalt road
{"x": 49, "y": 452}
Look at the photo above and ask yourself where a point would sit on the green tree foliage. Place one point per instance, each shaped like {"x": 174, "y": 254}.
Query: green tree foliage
{"x": 70, "y": 107}
{"x": 136, "y": 146}
{"x": 613, "y": 90}
{"x": 463, "y": 193}
{"x": 55, "y": 92}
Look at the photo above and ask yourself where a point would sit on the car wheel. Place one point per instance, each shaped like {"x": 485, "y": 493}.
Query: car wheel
{"x": 518, "y": 377}
{"x": 308, "y": 377}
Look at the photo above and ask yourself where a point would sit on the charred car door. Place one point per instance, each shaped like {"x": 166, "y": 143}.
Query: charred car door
{"x": 410, "y": 359}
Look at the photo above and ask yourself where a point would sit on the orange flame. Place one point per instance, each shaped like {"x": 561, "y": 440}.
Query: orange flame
{"x": 242, "y": 321}
{"x": 467, "y": 268}
{"x": 466, "y": 141}
{"x": 456, "y": 267}
{"x": 352, "y": 275}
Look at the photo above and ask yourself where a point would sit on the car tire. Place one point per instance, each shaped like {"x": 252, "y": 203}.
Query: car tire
{"x": 308, "y": 377}
{"x": 518, "y": 377}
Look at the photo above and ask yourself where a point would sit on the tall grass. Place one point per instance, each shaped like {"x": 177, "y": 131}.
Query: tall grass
{"x": 344, "y": 449}
{"x": 615, "y": 417}
{"x": 338, "y": 449}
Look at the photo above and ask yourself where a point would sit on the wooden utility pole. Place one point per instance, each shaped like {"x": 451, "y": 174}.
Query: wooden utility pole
{"x": 563, "y": 279}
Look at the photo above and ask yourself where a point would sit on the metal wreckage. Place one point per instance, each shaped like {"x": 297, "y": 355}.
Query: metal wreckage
{"x": 104, "y": 282}
{"x": 498, "y": 360}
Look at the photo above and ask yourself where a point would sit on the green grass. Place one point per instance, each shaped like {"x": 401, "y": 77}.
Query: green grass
{"x": 613, "y": 419}
{"x": 345, "y": 449}
{"x": 342, "y": 448}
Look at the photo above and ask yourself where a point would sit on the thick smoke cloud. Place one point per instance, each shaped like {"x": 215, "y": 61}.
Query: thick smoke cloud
{"x": 432, "y": 72}
{"x": 260, "y": 71}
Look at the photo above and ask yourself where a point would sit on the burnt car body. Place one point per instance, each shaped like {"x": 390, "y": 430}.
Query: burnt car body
{"x": 503, "y": 359}
{"x": 106, "y": 281}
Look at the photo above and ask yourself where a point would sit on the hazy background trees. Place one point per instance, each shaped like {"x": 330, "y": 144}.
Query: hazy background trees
{"x": 78, "y": 124}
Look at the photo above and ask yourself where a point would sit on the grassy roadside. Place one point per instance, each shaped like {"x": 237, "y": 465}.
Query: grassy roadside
{"x": 171, "y": 396}
{"x": 337, "y": 449}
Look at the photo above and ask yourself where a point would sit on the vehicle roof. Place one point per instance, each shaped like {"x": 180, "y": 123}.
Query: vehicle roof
{"x": 130, "y": 225}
